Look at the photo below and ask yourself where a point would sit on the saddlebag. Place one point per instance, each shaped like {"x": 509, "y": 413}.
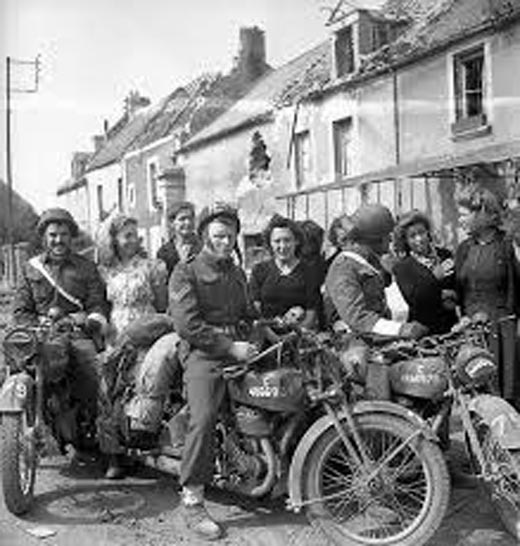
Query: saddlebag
{"x": 419, "y": 377}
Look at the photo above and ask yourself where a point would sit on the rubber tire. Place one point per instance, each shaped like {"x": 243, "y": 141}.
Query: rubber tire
{"x": 436, "y": 470}
{"x": 17, "y": 500}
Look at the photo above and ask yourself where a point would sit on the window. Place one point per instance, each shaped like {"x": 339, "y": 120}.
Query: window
{"x": 101, "y": 213}
{"x": 344, "y": 52}
{"x": 120, "y": 195}
{"x": 131, "y": 195}
{"x": 469, "y": 72}
{"x": 342, "y": 130}
{"x": 302, "y": 155}
{"x": 153, "y": 195}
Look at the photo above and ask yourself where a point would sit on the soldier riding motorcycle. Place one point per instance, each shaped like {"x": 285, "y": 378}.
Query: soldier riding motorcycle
{"x": 59, "y": 311}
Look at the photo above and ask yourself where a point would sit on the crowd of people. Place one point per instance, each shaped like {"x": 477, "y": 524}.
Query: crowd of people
{"x": 197, "y": 287}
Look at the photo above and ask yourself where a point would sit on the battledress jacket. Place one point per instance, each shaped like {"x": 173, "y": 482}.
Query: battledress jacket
{"x": 208, "y": 299}
{"x": 355, "y": 286}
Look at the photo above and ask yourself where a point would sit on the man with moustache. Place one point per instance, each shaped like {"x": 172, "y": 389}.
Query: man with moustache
{"x": 62, "y": 282}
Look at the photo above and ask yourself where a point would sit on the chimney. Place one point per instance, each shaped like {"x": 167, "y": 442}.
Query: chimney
{"x": 134, "y": 101}
{"x": 251, "y": 57}
{"x": 98, "y": 141}
{"x": 79, "y": 164}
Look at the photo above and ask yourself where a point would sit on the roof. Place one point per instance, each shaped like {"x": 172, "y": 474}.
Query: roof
{"x": 71, "y": 185}
{"x": 121, "y": 137}
{"x": 443, "y": 23}
{"x": 284, "y": 85}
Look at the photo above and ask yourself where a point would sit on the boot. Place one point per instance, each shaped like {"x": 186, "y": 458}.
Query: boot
{"x": 115, "y": 470}
{"x": 201, "y": 523}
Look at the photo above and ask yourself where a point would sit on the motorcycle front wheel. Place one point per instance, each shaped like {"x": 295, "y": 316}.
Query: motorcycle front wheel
{"x": 18, "y": 461}
{"x": 401, "y": 503}
{"x": 502, "y": 480}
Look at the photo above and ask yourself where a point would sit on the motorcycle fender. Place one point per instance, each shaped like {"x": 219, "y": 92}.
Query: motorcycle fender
{"x": 501, "y": 418}
{"x": 16, "y": 393}
{"x": 319, "y": 427}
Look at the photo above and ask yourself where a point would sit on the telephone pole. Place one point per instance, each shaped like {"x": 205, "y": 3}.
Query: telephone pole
{"x": 35, "y": 64}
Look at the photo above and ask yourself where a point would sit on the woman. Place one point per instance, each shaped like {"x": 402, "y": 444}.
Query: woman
{"x": 425, "y": 274}
{"x": 487, "y": 281}
{"x": 137, "y": 291}
{"x": 285, "y": 283}
{"x": 183, "y": 243}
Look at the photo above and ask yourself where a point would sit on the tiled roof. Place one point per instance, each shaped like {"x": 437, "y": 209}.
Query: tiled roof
{"x": 449, "y": 21}
{"x": 121, "y": 137}
{"x": 281, "y": 86}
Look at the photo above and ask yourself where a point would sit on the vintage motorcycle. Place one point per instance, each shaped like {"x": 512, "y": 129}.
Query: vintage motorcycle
{"x": 36, "y": 405}
{"x": 456, "y": 373}
{"x": 365, "y": 473}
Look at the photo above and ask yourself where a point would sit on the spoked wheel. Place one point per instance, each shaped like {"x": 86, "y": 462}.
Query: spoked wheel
{"x": 18, "y": 461}
{"x": 400, "y": 501}
{"x": 502, "y": 480}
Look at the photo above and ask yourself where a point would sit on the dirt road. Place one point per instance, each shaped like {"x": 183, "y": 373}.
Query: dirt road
{"x": 75, "y": 506}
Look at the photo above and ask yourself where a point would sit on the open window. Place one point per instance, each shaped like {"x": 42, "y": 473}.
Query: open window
{"x": 342, "y": 132}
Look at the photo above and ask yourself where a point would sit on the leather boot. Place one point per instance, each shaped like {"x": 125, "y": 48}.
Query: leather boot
{"x": 201, "y": 523}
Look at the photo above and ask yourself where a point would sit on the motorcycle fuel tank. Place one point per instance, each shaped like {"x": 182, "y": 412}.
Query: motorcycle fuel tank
{"x": 420, "y": 377}
{"x": 279, "y": 390}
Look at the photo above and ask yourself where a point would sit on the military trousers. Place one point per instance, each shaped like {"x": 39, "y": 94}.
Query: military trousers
{"x": 204, "y": 388}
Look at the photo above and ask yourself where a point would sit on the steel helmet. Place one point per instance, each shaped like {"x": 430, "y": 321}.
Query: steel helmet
{"x": 59, "y": 216}
{"x": 371, "y": 222}
{"x": 218, "y": 210}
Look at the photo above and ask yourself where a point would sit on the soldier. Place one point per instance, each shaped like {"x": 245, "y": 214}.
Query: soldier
{"x": 59, "y": 279}
{"x": 356, "y": 279}
{"x": 208, "y": 299}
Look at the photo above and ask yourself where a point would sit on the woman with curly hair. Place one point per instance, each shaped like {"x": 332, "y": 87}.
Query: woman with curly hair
{"x": 424, "y": 273}
{"x": 286, "y": 282}
{"x": 141, "y": 354}
{"x": 488, "y": 281}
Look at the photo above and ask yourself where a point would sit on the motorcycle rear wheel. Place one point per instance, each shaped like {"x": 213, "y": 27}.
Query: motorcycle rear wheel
{"x": 411, "y": 492}
{"x": 18, "y": 462}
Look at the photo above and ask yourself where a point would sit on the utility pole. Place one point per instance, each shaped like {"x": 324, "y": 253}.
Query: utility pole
{"x": 8, "y": 162}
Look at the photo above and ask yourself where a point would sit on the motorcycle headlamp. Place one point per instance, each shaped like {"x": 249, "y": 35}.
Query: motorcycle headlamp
{"x": 474, "y": 366}
{"x": 19, "y": 346}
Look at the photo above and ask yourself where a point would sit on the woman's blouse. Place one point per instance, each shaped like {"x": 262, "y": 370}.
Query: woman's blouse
{"x": 422, "y": 290}
{"x": 132, "y": 289}
{"x": 278, "y": 292}
{"x": 486, "y": 278}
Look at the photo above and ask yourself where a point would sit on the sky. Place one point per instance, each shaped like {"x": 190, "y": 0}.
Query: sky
{"x": 93, "y": 52}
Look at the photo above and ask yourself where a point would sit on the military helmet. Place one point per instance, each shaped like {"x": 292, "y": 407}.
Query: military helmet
{"x": 59, "y": 216}
{"x": 371, "y": 222}
{"x": 218, "y": 210}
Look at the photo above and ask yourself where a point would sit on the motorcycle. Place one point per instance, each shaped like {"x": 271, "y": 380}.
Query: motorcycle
{"x": 456, "y": 372}
{"x": 36, "y": 405}
{"x": 364, "y": 472}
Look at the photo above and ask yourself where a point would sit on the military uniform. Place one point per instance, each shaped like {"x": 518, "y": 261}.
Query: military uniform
{"x": 208, "y": 299}
{"x": 35, "y": 295}
{"x": 355, "y": 286}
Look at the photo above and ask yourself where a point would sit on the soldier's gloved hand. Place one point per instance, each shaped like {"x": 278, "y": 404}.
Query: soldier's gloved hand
{"x": 242, "y": 350}
{"x": 413, "y": 330}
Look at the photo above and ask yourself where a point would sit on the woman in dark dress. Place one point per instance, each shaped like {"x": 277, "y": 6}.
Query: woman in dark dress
{"x": 285, "y": 283}
{"x": 487, "y": 282}
{"x": 425, "y": 274}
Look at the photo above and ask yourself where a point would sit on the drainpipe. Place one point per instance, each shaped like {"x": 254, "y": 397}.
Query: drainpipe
{"x": 397, "y": 139}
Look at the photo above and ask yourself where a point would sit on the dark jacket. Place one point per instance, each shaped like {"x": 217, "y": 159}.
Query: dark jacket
{"x": 77, "y": 275}
{"x": 208, "y": 295}
{"x": 169, "y": 255}
{"x": 423, "y": 292}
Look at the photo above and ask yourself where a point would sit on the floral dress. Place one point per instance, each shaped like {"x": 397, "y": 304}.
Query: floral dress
{"x": 132, "y": 289}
